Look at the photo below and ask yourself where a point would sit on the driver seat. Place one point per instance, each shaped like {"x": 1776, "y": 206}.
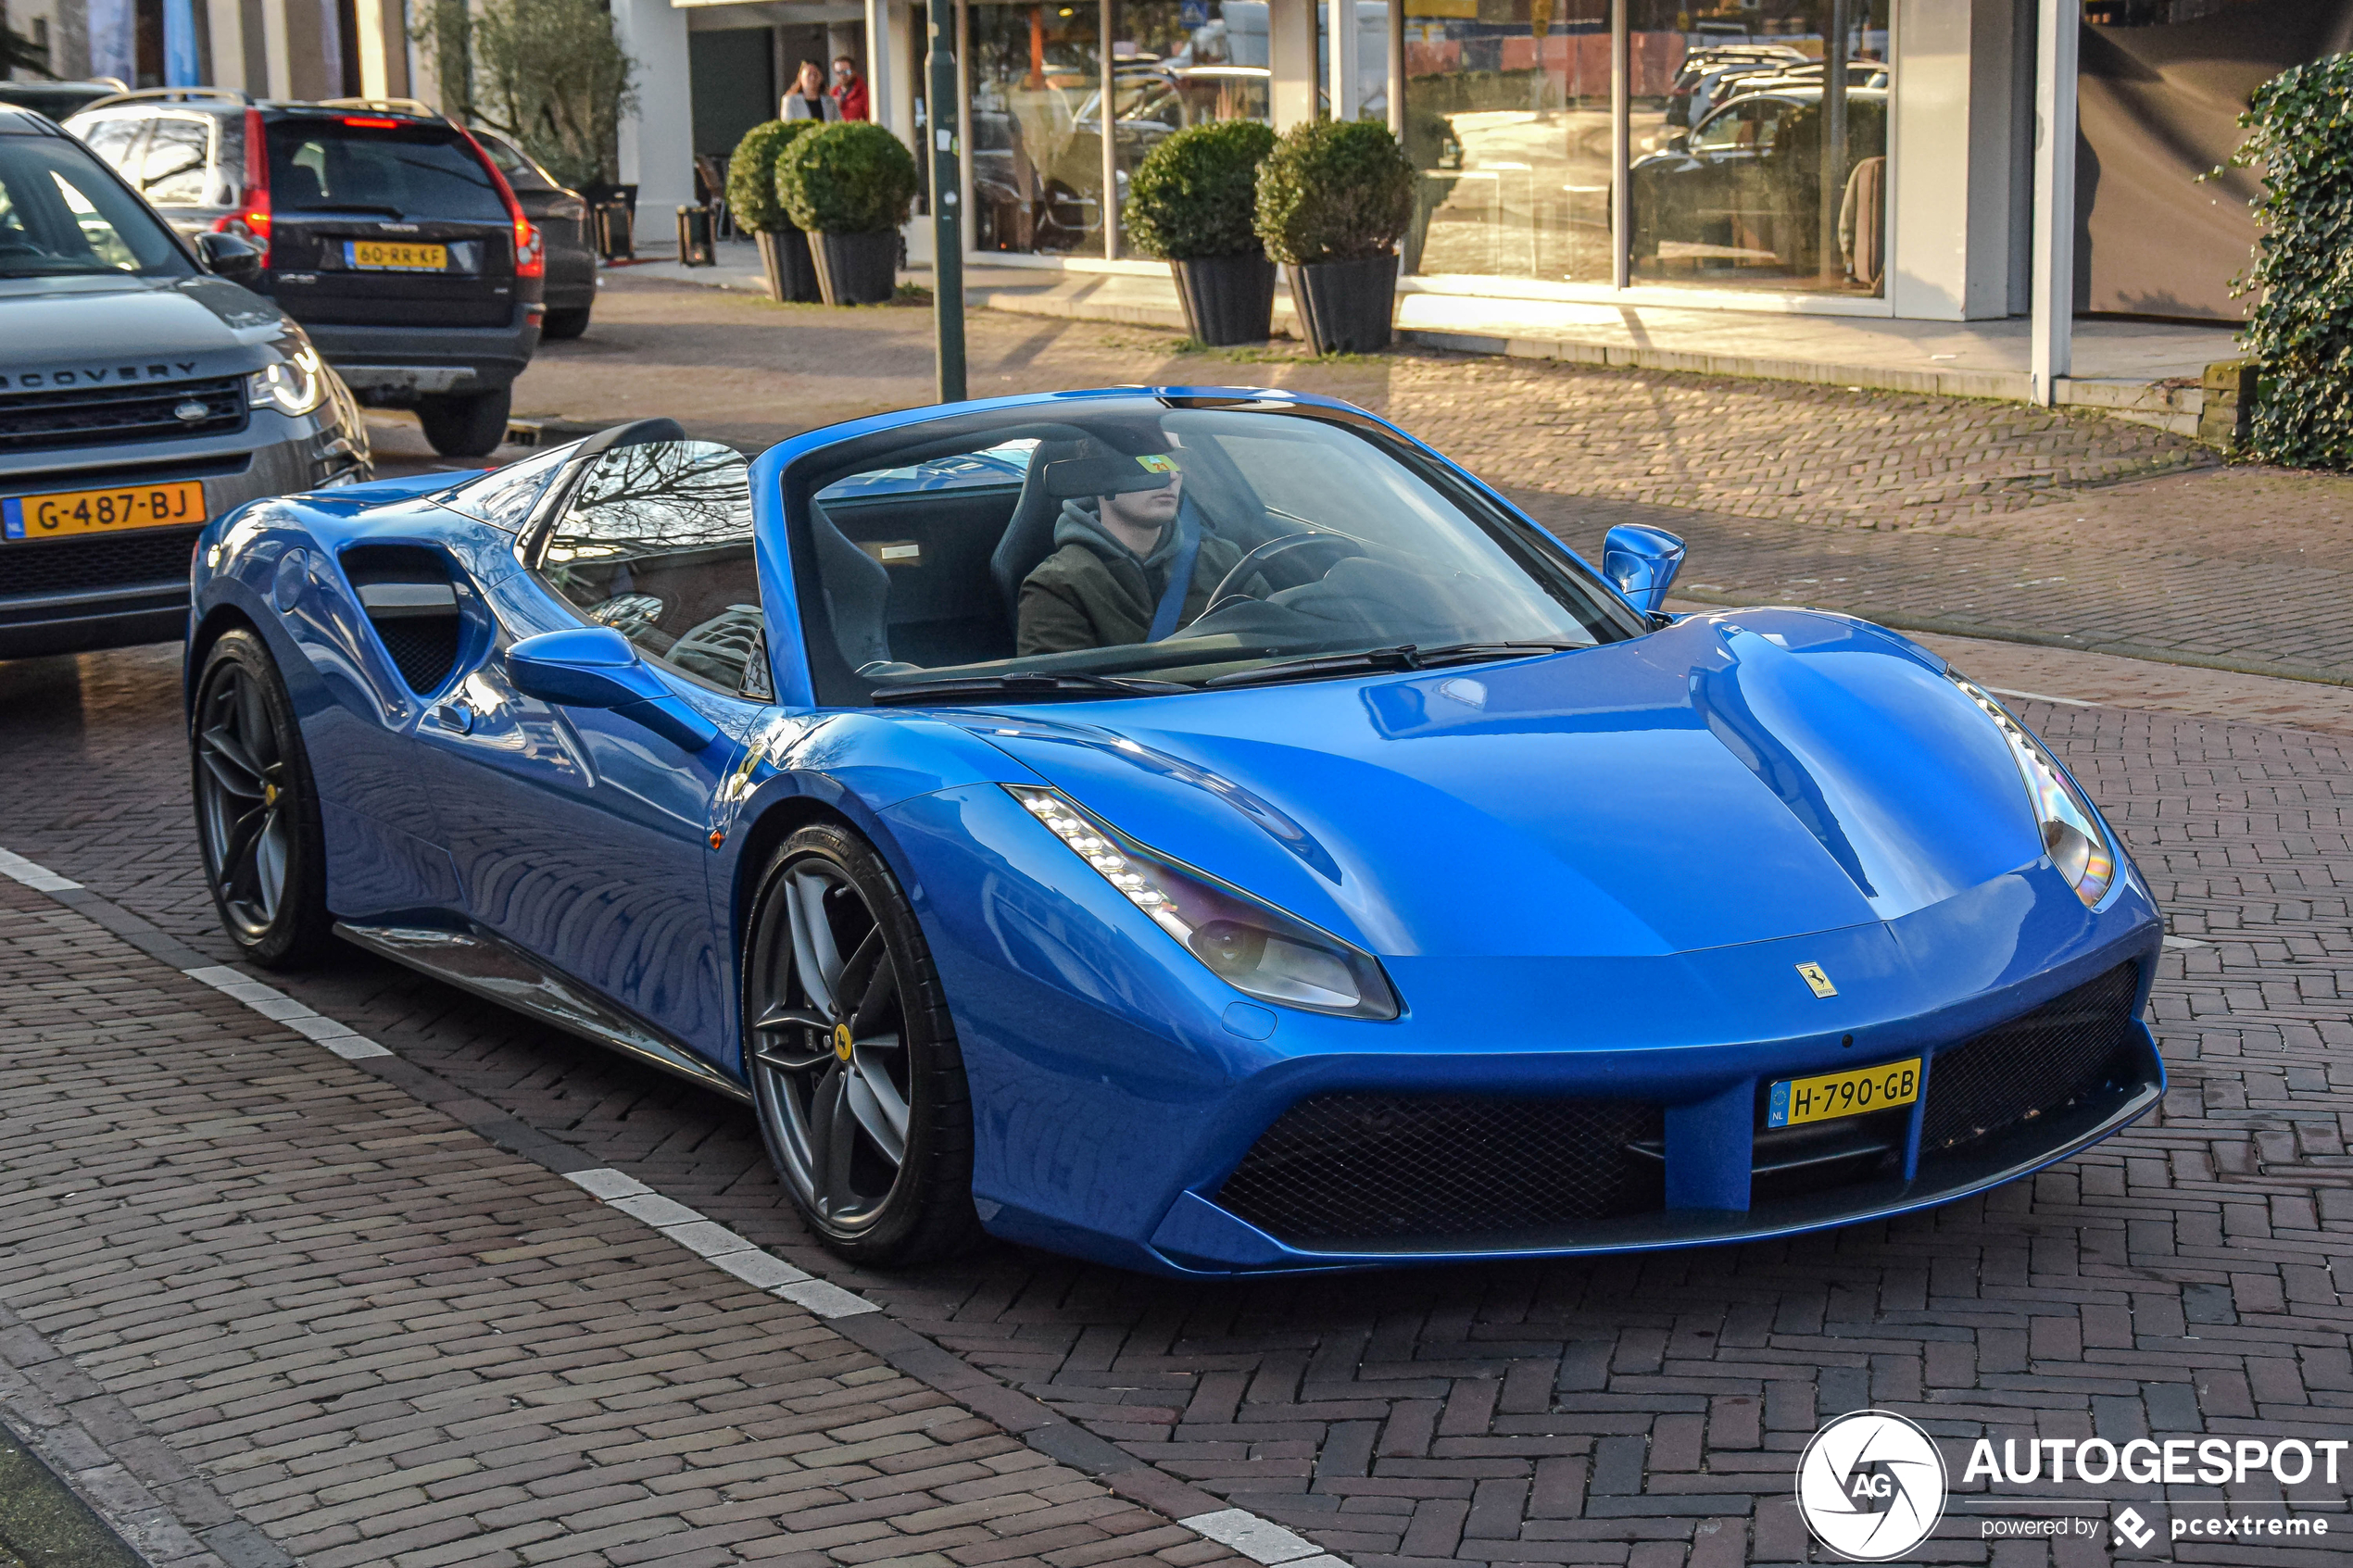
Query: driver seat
{"x": 1030, "y": 537}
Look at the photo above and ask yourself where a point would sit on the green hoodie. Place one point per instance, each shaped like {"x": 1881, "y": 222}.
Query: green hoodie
{"x": 1093, "y": 591}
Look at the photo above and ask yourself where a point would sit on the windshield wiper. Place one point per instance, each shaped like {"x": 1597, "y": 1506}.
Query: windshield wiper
{"x": 1025, "y": 683}
{"x": 1405, "y": 656}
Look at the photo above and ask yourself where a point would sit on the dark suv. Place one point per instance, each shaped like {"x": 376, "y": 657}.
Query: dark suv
{"x": 386, "y": 232}
{"x": 142, "y": 392}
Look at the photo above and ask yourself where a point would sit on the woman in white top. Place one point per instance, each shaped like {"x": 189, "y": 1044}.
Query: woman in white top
{"x": 807, "y": 99}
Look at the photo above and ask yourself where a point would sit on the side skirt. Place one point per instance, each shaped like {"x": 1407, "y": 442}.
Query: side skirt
{"x": 499, "y": 971}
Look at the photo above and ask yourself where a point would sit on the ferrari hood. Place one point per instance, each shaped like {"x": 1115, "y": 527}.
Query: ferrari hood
{"x": 1733, "y": 778}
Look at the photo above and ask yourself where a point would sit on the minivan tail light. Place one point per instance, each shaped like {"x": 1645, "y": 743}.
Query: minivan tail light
{"x": 252, "y": 217}
{"x": 530, "y": 255}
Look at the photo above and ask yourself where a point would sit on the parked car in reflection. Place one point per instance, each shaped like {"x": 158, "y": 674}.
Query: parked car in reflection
{"x": 1719, "y": 196}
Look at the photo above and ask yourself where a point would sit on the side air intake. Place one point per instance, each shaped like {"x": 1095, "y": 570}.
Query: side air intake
{"x": 412, "y": 604}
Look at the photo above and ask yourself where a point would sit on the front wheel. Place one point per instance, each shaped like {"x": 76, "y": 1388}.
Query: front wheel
{"x": 854, "y": 1067}
{"x": 256, "y": 810}
{"x": 465, "y": 424}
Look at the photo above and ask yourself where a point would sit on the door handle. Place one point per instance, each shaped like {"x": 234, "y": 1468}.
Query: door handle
{"x": 454, "y": 716}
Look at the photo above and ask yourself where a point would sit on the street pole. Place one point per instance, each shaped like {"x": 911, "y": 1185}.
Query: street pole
{"x": 947, "y": 228}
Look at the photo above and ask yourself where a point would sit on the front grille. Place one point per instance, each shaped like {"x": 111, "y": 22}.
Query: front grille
{"x": 100, "y": 560}
{"x": 1368, "y": 1168}
{"x": 111, "y": 415}
{"x": 2038, "y": 1063}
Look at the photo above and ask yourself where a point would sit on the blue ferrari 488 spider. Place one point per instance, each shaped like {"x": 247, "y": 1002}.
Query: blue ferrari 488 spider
{"x": 1201, "y": 830}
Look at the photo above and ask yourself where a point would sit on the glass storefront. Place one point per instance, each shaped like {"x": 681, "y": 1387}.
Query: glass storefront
{"x": 1746, "y": 142}
{"x": 1037, "y": 85}
{"x": 1732, "y": 117}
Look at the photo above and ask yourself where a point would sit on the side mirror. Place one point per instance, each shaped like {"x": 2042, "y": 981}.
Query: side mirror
{"x": 1642, "y": 563}
{"x": 232, "y": 257}
{"x": 594, "y": 667}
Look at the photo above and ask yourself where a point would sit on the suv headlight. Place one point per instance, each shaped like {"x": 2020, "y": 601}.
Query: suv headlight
{"x": 2072, "y": 834}
{"x": 293, "y": 385}
{"x": 1251, "y": 946}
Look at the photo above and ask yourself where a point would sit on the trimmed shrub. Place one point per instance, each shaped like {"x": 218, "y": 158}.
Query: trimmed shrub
{"x": 1194, "y": 195}
{"x": 2301, "y": 329}
{"x": 852, "y": 177}
{"x": 751, "y": 174}
{"x": 1334, "y": 190}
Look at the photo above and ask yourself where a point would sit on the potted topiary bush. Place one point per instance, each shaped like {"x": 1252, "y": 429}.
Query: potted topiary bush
{"x": 751, "y": 197}
{"x": 1333, "y": 198}
{"x": 851, "y": 184}
{"x": 1190, "y": 203}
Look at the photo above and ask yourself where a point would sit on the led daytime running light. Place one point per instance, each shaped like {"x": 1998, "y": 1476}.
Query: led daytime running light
{"x": 2072, "y": 834}
{"x": 1252, "y": 946}
{"x": 294, "y": 385}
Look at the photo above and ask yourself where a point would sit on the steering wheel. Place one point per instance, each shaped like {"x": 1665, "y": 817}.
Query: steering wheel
{"x": 1296, "y": 545}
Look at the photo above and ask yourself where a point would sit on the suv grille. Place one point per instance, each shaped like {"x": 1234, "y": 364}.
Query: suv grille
{"x": 107, "y": 416}
{"x": 100, "y": 561}
{"x": 1383, "y": 1168}
{"x": 2039, "y": 1061}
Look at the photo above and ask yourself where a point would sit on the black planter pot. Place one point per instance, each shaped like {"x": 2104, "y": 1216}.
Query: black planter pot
{"x": 857, "y": 269}
{"x": 1345, "y": 306}
{"x": 792, "y": 276}
{"x": 1229, "y": 299}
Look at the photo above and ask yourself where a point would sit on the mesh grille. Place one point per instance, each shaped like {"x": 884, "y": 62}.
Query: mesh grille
{"x": 101, "y": 560}
{"x": 102, "y": 416}
{"x": 1371, "y": 1168}
{"x": 2039, "y": 1061}
{"x": 422, "y": 648}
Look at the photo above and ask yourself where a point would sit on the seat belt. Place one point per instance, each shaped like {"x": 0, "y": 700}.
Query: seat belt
{"x": 1180, "y": 577}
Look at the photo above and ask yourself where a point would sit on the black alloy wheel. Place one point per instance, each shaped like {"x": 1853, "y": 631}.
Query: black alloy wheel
{"x": 854, "y": 1061}
{"x": 257, "y": 812}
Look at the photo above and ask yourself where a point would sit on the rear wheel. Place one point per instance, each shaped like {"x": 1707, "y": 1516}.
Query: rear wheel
{"x": 566, "y": 323}
{"x": 256, "y": 812}
{"x": 466, "y": 424}
{"x": 853, "y": 1062}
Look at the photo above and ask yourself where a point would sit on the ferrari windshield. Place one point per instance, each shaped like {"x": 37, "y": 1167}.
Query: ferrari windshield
{"x": 1142, "y": 545}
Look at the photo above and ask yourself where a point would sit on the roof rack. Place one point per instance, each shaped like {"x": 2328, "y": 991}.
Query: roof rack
{"x": 172, "y": 96}
{"x": 383, "y": 106}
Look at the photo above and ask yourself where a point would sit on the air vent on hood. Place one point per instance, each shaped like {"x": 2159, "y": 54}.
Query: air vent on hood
{"x": 412, "y": 601}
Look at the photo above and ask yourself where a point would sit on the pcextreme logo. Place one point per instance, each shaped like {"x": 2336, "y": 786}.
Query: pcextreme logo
{"x": 1870, "y": 1486}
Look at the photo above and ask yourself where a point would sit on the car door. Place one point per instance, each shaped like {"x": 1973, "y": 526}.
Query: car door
{"x": 578, "y": 836}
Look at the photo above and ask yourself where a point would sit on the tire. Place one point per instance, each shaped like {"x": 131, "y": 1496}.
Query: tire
{"x": 563, "y": 325}
{"x": 256, "y": 810}
{"x": 466, "y": 425}
{"x": 832, "y": 1104}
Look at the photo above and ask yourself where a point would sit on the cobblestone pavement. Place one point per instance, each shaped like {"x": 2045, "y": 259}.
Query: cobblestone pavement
{"x": 321, "y": 1321}
{"x": 1975, "y": 518}
{"x": 2186, "y": 1278}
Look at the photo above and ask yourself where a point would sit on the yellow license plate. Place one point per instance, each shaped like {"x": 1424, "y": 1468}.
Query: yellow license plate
{"x": 101, "y": 512}
{"x": 1833, "y": 1094}
{"x": 391, "y": 256}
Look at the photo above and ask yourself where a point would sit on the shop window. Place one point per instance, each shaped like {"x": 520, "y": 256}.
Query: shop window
{"x": 1735, "y": 118}
{"x": 1180, "y": 63}
{"x": 1037, "y": 126}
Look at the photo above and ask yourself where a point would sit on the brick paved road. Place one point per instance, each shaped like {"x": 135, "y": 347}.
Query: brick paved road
{"x": 2184, "y": 1279}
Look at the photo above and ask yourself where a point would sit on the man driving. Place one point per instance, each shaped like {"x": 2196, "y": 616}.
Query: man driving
{"x": 1131, "y": 563}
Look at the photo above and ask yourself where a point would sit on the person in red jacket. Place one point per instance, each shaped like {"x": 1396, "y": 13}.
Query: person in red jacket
{"x": 849, "y": 90}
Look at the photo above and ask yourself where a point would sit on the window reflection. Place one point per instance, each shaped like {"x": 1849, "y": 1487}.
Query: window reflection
{"x": 1036, "y": 150}
{"x": 1180, "y": 63}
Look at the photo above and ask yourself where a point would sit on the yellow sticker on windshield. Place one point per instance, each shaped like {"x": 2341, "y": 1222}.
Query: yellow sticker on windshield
{"x": 1157, "y": 462}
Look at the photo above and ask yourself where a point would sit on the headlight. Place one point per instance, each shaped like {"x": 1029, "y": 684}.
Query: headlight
{"x": 294, "y": 386}
{"x": 2072, "y": 834}
{"x": 1251, "y": 946}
